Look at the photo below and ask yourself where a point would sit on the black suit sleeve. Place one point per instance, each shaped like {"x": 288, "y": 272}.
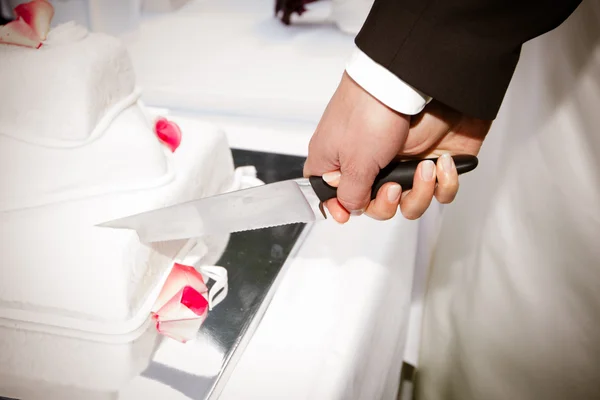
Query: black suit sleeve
{"x": 461, "y": 52}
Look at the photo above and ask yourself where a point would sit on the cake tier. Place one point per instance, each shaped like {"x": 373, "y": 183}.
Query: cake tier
{"x": 59, "y": 93}
{"x": 61, "y": 270}
{"x": 127, "y": 155}
{"x": 43, "y": 366}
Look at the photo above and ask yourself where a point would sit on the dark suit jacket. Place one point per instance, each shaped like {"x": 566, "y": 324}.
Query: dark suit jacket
{"x": 461, "y": 52}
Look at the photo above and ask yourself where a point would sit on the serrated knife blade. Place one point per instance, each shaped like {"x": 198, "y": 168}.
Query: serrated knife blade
{"x": 280, "y": 203}
{"x": 274, "y": 204}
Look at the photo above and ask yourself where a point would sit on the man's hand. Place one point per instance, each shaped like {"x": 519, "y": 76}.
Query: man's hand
{"x": 357, "y": 136}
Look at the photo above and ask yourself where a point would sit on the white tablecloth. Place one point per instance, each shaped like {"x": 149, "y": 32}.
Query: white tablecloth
{"x": 337, "y": 326}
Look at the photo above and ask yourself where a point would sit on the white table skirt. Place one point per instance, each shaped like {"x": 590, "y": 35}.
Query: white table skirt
{"x": 337, "y": 326}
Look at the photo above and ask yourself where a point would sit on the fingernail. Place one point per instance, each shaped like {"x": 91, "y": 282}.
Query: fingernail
{"x": 447, "y": 162}
{"x": 356, "y": 213}
{"x": 427, "y": 170}
{"x": 331, "y": 176}
{"x": 393, "y": 193}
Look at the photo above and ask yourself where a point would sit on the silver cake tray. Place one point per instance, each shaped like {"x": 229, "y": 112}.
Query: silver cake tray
{"x": 255, "y": 261}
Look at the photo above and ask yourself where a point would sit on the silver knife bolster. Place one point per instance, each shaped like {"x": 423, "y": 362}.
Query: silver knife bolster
{"x": 311, "y": 197}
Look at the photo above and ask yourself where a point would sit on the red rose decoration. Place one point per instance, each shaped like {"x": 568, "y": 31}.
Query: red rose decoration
{"x": 168, "y": 132}
{"x": 38, "y": 14}
{"x": 31, "y": 27}
{"x": 19, "y": 33}
{"x": 182, "y": 305}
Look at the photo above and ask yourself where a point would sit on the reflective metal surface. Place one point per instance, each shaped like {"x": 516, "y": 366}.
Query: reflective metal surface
{"x": 254, "y": 260}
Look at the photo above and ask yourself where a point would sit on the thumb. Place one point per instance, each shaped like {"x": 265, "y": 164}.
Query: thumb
{"x": 354, "y": 190}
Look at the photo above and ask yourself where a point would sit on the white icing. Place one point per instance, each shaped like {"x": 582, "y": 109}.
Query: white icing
{"x": 125, "y": 157}
{"x": 66, "y": 33}
{"x": 39, "y": 365}
{"x": 62, "y": 90}
{"x": 81, "y": 152}
{"x": 107, "y": 277}
{"x": 128, "y": 157}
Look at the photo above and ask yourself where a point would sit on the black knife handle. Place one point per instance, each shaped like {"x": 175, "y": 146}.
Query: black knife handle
{"x": 401, "y": 172}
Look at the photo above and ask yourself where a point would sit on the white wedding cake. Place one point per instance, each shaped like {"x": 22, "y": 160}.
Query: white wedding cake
{"x": 77, "y": 148}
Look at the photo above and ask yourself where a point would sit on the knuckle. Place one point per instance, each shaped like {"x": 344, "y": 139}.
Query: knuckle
{"x": 387, "y": 214}
{"x": 313, "y": 143}
{"x": 352, "y": 171}
{"x": 351, "y": 205}
{"x": 445, "y": 198}
{"x": 446, "y": 192}
{"x": 420, "y": 147}
{"x": 308, "y": 168}
{"x": 322, "y": 157}
{"x": 381, "y": 214}
{"x": 359, "y": 171}
{"x": 447, "y": 182}
{"x": 411, "y": 213}
{"x": 314, "y": 152}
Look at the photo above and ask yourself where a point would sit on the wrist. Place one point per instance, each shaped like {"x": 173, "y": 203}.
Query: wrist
{"x": 385, "y": 86}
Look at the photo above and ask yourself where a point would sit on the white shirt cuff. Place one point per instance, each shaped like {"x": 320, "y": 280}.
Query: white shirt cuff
{"x": 385, "y": 86}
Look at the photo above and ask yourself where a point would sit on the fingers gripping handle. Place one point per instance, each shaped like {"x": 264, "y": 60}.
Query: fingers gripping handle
{"x": 402, "y": 172}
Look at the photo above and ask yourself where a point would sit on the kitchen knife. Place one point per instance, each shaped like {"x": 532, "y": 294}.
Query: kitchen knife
{"x": 274, "y": 204}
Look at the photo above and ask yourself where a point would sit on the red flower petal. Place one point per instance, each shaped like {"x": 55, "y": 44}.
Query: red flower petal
{"x": 181, "y": 317}
{"x": 181, "y": 331}
{"x": 179, "y": 277}
{"x": 37, "y": 14}
{"x": 19, "y": 33}
{"x": 186, "y": 304}
{"x": 168, "y": 132}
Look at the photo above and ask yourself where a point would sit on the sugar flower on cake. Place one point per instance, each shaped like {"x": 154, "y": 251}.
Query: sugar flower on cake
{"x": 168, "y": 132}
{"x": 31, "y": 26}
{"x": 185, "y": 299}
